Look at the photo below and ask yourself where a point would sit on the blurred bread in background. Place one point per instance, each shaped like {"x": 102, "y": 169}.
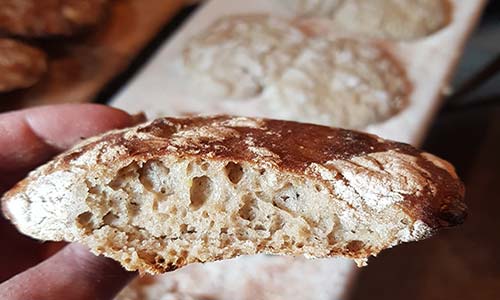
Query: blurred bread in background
{"x": 21, "y": 65}
{"x": 392, "y": 19}
{"x": 36, "y": 18}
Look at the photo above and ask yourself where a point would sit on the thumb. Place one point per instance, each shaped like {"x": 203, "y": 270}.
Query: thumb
{"x": 72, "y": 274}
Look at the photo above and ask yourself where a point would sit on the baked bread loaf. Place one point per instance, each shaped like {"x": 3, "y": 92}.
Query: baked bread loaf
{"x": 21, "y": 65}
{"x": 37, "y": 18}
{"x": 297, "y": 73}
{"x": 238, "y": 56}
{"x": 393, "y": 19}
{"x": 175, "y": 191}
{"x": 340, "y": 82}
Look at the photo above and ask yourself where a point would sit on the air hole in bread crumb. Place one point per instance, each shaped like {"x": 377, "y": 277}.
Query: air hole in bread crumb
{"x": 355, "y": 246}
{"x": 259, "y": 227}
{"x": 152, "y": 176}
{"x": 204, "y": 166}
{"x": 201, "y": 189}
{"x": 261, "y": 246}
{"x": 224, "y": 242}
{"x": 154, "y": 206}
{"x": 304, "y": 232}
{"x": 287, "y": 198}
{"x": 241, "y": 234}
{"x": 318, "y": 188}
{"x": 234, "y": 172}
{"x": 204, "y": 214}
{"x": 331, "y": 238}
{"x": 180, "y": 261}
{"x": 189, "y": 168}
{"x": 276, "y": 224}
{"x": 146, "y": 256}
{"x": 246, "y": 211}
{"x": 123, "y": 175}
{"x": 183, "y": 228}
{"x": 84, "y": 219}
{"x": 110, "y": 218}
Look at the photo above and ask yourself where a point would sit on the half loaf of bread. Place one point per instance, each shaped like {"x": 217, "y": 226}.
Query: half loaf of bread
{"x": 175, "y": 191}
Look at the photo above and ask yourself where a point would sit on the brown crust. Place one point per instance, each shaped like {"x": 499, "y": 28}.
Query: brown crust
{"x": 295, "y": 146}
{"x": 35, "y": 18}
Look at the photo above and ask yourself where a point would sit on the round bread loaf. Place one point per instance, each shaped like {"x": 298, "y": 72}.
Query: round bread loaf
{"x": 393, "y": 19}
{"x": 238, "y": 56}
{"x": 21, "y": 65}
{"x": 40, "y": 18}
{"x": 339, "y": 82}
{"x": 171, "y": 192}
{"x": 297, "y": 73}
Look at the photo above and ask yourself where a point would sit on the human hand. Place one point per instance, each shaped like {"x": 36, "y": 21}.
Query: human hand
{"x": 29, "y": 138}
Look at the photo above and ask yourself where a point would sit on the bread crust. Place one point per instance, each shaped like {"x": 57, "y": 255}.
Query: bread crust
{"x": 290, "y": 147}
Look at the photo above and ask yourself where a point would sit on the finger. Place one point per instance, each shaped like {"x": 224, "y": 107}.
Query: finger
{"x": 30, "y": 137}
{"x": 73, "y": 274}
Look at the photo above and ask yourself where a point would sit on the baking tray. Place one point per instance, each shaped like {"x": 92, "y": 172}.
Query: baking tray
{"x": 162, "y": 88}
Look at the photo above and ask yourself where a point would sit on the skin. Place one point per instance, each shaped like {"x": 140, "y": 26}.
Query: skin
{"x": 28, "y": 138}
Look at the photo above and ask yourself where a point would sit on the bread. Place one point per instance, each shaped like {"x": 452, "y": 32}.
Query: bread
{"x": 313, "y": 8}
{"x": 176, "y": 191}
{"x": 393, "y": 19}
{"x": 21, "y": 65}
{"x": 296, "y": 73}
{"x": 237, "y": 56}
{"x": 36, "y": 18}
{"x": 340, "y": 82}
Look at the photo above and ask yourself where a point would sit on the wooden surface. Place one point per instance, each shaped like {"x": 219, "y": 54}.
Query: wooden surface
{"x": 80, "y": 67}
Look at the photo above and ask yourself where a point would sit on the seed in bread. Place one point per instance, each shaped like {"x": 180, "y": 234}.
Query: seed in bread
{"x": 35, "y": 18}
{"x": 393, "y": 19}
{"x": 21, "y": 65}
{"x": 238, "y": 55}
{"x": 340, "y": 82}
{"x": 176, "y": 191}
